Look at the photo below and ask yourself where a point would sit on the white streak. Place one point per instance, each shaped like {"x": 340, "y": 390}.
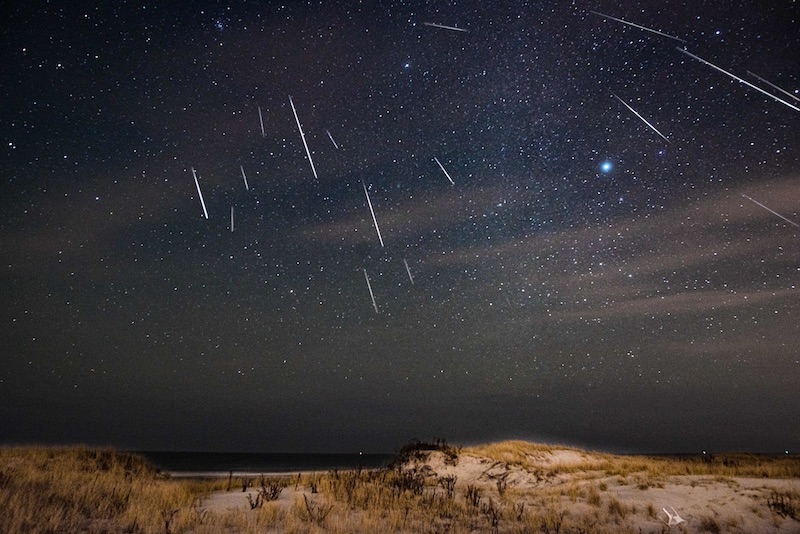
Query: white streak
{"x": 231, "y": 218}
{"x": 408, "y": 271}
{"x": 203, "y": 202}
{"x": 371, "y": 295}
{"x": 303, "y": 137}
{"x": 771, "y": 211}
{"x": 443, "y": 170}
{"x": 331, "y": 138}
{"x": 645, "y": 28}
{"x": 245, "y": 178}
{"x": 442, "y": 26}
{"x": 261, "y": 122}
{"x": 737, "y": 78}
{"x": 372, "y": 211}
{"x": 643, "y": 119}
{"x": 787, "y": 93}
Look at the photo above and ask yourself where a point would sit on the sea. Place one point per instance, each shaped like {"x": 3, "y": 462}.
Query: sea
{"x": 222, "y": 464}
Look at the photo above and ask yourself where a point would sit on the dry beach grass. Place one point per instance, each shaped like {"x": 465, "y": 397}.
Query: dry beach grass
{"x": 83, "y": 490}
{"x": 514, "y": 487}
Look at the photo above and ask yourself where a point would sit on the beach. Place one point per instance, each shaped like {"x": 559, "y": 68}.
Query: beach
{"x": 505, "y": 487}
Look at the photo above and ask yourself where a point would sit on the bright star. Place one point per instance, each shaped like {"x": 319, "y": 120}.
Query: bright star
{"x": 606, "y": 166}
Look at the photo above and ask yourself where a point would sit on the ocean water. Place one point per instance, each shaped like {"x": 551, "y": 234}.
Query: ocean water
{"x": 222, "y": 463}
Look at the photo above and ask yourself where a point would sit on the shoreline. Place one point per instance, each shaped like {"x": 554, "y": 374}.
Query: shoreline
{"x": 215, "y": 475}
{"x": 215, "y": 465}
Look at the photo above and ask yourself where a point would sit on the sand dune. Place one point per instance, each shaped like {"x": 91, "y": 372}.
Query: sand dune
{"x": 524, "y": 487}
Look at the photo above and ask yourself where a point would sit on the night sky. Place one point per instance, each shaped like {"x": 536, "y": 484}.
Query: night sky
{"x": 583, "y": 280}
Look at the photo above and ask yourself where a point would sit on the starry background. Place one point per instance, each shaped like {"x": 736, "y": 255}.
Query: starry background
{"x": 644, "y": 305}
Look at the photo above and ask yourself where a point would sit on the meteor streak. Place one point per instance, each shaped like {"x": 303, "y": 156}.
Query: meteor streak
{"x": 645, "y": 28}
{"x": 203, "y": 202}
{"x": 748, "y": 84}
{"x": 408, "y": 271}
{"x": 303, "y": 137}
{"x": 372, "y": 211}
{"x": 245, "y": 178}
{"x": 331, "y": 138}
{"x": 231, "y": 218}
{"x": 261, "y": 122}
{"x": 771, "y": 211}
{"x": 442, "y": 26}
{"x": 443, "y": 170}
{"x": 643, "y": 119}
{"x": 371, "y": 295}
{"x": 787, "y": 93}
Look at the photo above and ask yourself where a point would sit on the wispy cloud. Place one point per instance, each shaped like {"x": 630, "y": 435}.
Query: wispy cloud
{"x": 693, "y": 301}
{"x": 719, "y": 253}
{"x": 412, "y": 217}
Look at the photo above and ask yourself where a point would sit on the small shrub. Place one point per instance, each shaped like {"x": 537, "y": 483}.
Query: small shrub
{"x": 168, "y": 516}
{"x": 315, "y": 512}
{"x": 411, "y": 481}
{"x": 271, "y": 489}
{"x": 254, "y": 503}
{"x": 593, "y": 497}
{"x": 502, "y": 484}
{"x": 552, "y": 521}
{"x": 473, "y": 495}
{"x": 616, "y": 508}
{"x": 493, "y": 513}
{"x": 448, "y": 483}
{"x": 782, "y": 504}
{"x": 709, "y": 524}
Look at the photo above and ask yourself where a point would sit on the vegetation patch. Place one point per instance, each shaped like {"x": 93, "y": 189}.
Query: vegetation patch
{"x": 419, "y": 451}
